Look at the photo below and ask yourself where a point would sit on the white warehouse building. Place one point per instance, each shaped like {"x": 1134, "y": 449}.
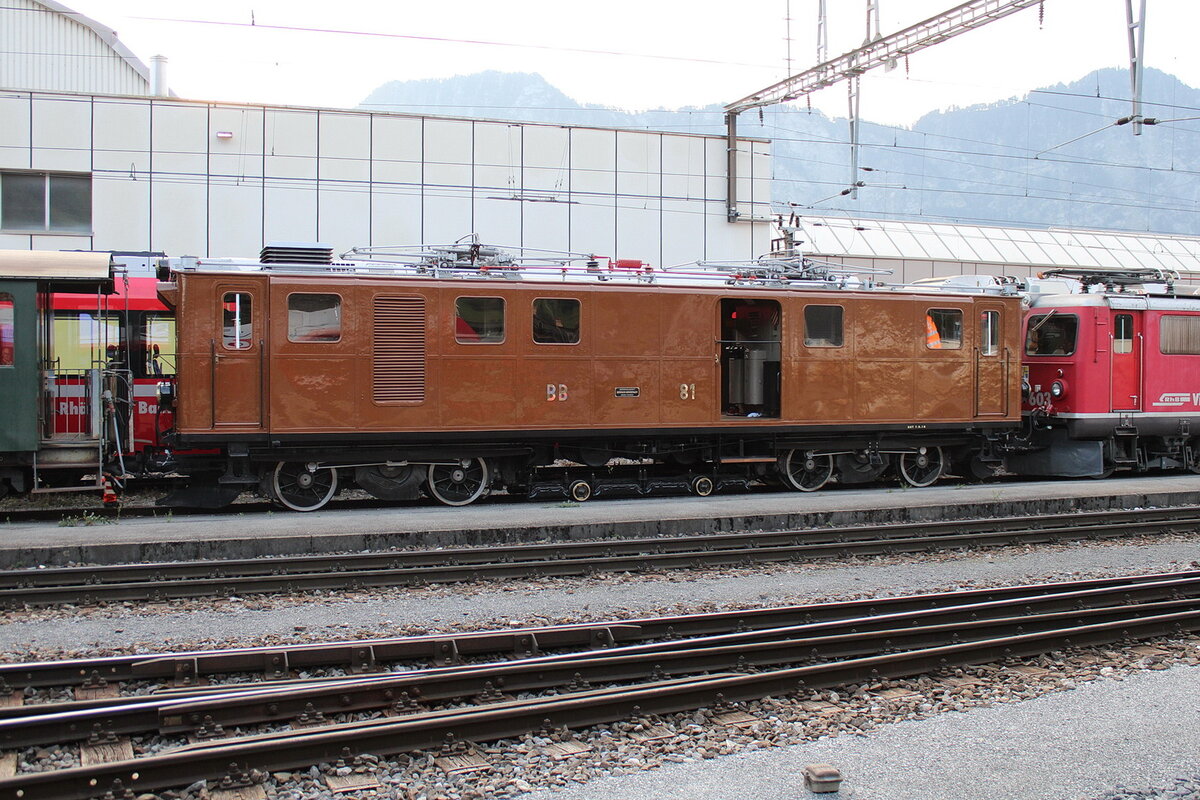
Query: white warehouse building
{"x": 93, "y": 158}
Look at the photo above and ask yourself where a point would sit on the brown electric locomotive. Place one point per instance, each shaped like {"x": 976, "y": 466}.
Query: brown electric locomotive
{"x": 458, "y": 371}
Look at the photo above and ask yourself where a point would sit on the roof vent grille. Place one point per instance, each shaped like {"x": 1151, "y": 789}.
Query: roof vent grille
{"x": 296, "y": 253}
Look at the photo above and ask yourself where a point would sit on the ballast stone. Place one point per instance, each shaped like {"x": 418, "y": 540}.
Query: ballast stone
{"x": 822, "y": 778}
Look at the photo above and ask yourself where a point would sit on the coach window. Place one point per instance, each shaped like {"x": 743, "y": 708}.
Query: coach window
{"x": 314, "y": 317}
{"x": 237, "y": 321}
{"x": 6, "y": 330}
{"x": 1051, "y": 335}
{"x": 1179, "y": 335}
{"x": 943, "y": 328}
{"x": 989, "y": 333}
{"x": 823, "y": 326}
{"x": 555, "y": 320}
{"x": 479, "y": 320}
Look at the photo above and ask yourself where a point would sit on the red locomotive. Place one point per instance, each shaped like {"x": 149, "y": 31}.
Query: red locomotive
{"x": 1112, "y": 376}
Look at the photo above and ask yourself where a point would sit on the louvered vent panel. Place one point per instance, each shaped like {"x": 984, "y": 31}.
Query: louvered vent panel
{"x": 398, "y": 361}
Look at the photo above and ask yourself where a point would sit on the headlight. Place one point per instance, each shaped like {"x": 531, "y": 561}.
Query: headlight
{"x": 1058, "y": 389}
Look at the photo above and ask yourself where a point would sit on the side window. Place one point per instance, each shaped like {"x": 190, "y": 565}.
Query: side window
{"x": 943, "y": 328}
{"x": 555, "y": 321}
{"x": 158, "y": 333}
{"x": 989, "y": 333}
{"x": 823, "y": 326}
{"x": 479, "y": 320}
{"x": 1123, "y": 333}
{"x": 7, "y": 344}
{"x": 314, "y": 317}
{"x": 1179, "y": 335}
{"x": 237, "y": 321}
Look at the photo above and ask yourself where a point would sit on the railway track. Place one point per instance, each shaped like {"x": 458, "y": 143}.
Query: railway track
{"x": 174, "y": 580}
{"x": 647, "y": 666}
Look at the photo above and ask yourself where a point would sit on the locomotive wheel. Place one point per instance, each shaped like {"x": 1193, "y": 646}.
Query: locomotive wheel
{"x": 805, "y": 472}
{"x": 459, "y": 484}
{"x": 702, "y": 485}
{"x": 922, "y": 467}
{"x": 580, "y": 491}
{"x": 301, "y": 486}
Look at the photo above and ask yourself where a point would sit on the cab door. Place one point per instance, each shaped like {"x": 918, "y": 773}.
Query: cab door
{"x": 991, "y": 361}
{"x": 1125, "y": 352}
{"x": 237, "y": 350}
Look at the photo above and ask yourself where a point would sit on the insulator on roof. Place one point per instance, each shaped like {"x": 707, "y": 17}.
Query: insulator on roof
{"x": 296, "y": 253}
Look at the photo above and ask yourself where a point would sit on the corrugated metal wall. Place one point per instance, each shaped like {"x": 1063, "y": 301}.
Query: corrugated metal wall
{"x": 44, "y": 49}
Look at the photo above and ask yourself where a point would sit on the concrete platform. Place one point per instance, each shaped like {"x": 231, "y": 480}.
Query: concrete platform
{"x": 234, "y": 535}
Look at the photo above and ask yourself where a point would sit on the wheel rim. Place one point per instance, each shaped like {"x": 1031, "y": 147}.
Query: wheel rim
{"x": 580, "y": 491}
{"x": 923, "y": 467}
{"x": 302, "y": 488}
{"x": 458, "y": 484}
{"x": 806, "y": 472}
{"x": 702, "y": 485}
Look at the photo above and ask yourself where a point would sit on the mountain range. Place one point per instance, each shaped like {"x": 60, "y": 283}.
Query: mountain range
{"x": 1005, "y": 163}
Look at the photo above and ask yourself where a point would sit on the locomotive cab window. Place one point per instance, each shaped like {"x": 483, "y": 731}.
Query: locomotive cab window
{"x": 158, "y": 338}
{"x": 989, "y": 333}
{"x": 237, "y": 321}
{"x": 555, "y": 320}
{"x": 1179, "y": 335}
{"x": 85, "y": 340}
{"x": 943, "y": 328}
{"x": 1051, "y": 335}
{"x": 823, "y": 326}
{"x": 314, "y": 317}
{"x": 479, "y": 320}
{"x": 7, "y": 344}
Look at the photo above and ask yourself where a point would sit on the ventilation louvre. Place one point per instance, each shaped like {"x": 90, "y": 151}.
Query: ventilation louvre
{"x": 398, "y": 355}
{"x": 296, "y": 253}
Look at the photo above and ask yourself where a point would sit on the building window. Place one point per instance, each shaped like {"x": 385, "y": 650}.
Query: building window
{"x": 479, "y": 320}
{"x": 555, "y": 321}
{"x": 823, "y": 326}
{"x": 237, "y": 321}
{"x": 1179, "y": 335}
{"x": 7, "y": 343}
{"x": 39, "y": 202}
{"x": 314, "y": 317}
{"x": 943, "y": 328}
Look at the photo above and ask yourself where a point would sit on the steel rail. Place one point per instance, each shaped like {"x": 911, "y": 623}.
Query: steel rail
{"x": 423, "y": 731}
{"x": 221, "y": 569}
{"x": 206, "y": 710}
{"x": 635, "y": 559}
{"x": 366, "y": 654}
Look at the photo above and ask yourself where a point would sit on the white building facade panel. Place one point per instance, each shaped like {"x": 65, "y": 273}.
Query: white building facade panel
{"x": 221, "y": 179}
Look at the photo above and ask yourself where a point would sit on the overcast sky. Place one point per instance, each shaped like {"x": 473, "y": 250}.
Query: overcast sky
{"x": 631, "y": 54}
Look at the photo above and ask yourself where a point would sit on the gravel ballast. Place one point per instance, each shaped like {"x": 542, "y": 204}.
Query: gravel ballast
{"x": 1141, "y": 733}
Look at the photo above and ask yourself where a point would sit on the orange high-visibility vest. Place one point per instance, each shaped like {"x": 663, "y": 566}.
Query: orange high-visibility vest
{"x": 932, "y": 340}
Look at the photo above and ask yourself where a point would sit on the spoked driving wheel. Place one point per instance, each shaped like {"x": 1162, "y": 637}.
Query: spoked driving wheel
{"x": 459, "y": 483}
{"x": 922, "y": 467}
{"x": 303, "y": 486}
{"x": 805, "y": 472}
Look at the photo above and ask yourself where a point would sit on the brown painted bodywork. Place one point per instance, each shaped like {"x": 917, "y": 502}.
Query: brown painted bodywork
{"x": 658, "y": 340}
